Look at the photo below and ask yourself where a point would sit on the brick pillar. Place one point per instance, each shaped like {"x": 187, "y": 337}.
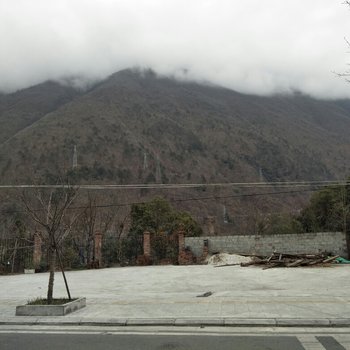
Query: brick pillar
{"x": 183, "y": 255}
{"x": 147, "y": 244}
{"x": 37, "y": 252}
{"x": 181, "y": 237}
{"x": 98, "y": 249}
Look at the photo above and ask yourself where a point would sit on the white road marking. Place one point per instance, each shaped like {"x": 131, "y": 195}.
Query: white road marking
{"x": 309, "y": 342}
{"x": 343, "y": 340}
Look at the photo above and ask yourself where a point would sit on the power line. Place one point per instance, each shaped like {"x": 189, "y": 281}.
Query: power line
{"x": 113, "y": 205}
{"x": 185, "y": 185}
{"x": 243, "y": 195}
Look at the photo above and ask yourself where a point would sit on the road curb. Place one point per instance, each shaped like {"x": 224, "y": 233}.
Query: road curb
{"x": 178, "y": 322}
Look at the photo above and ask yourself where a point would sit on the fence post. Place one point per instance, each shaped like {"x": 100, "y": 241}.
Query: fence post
{"x": 147, "y": 244}
{"x": 181, "y": 237}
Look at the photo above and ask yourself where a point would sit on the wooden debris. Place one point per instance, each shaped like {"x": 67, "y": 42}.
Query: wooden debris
{"x": 330, "y": 259}
{"x": 292, "y": 260}
{"x": 295, "y": 263}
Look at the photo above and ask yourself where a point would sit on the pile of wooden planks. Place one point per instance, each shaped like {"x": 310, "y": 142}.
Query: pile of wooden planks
{"x": 291, "y": 260}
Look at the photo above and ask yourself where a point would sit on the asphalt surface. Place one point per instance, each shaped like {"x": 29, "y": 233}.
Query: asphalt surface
{"x": 151, "y": 337}
{"x": 106, "y": 341}
{"x": 147, "y": 342}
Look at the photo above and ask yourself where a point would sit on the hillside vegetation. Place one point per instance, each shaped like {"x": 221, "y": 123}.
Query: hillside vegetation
{"x": 198, "y": 133}
{"x": 139, "y": 128}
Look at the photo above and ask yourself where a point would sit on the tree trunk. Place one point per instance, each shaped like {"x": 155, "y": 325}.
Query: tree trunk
{"x": 88, "y": 249}
{"x": 52, "y": 265}
{"x": 14, "y": 257}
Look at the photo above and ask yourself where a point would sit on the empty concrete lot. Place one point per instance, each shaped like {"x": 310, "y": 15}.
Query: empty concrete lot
{"x": 171, "y": 292}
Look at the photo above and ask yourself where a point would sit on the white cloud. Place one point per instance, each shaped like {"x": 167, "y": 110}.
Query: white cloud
{"x": 251, "y": 46}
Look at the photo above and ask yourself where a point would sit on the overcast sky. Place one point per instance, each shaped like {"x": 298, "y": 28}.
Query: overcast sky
{"x": 254, "y": 46}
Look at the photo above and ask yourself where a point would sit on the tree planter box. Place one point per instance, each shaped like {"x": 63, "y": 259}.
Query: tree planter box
{"x": 50, "y": 310}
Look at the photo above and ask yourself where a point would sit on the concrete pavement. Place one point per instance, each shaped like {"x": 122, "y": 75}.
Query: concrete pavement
{"x": 168, "y": 295}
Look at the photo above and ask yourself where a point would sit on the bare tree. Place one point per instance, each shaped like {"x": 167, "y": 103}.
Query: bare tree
{"x": 345, "y": 74}
{"x": 48, "y": 209}
{"x": 84, "y": 230}
{"x": 93, "y": 218}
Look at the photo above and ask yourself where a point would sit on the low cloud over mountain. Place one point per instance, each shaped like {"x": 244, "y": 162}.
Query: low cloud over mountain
{"x": 251, "y": 46}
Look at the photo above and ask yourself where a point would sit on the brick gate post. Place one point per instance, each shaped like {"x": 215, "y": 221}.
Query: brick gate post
{"x": 147, "y": 244}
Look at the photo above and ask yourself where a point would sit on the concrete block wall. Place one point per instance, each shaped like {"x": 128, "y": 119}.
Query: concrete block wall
{"x": 302, "y": 243}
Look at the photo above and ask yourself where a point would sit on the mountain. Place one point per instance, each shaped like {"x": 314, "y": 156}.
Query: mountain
{"x": 136, "y": 127}
{"x": 191, "y": 132}
{"x": 23, "y": 108}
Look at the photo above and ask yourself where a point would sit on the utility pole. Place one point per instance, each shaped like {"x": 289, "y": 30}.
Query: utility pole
{"x": 158, "y": 171}
{"x": 75, "y": 157}
{"x": 261, "y": 176}
{"x": 225, "y": 215}
{"x": 145, "y": 162}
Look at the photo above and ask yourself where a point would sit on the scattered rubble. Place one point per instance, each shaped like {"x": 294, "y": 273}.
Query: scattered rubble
{"x": 291, "y": 260}
{"x": 205, "y": 295}
{"x": 274, "y": 260}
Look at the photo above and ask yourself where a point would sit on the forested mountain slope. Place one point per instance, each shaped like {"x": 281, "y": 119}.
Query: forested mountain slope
{"x": 129, "y": 124}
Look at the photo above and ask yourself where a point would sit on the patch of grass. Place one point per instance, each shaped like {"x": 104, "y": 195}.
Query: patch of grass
{"x": 41, "y": 301}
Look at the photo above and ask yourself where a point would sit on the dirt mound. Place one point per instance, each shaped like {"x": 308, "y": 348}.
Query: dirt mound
{"x": 227, "y": 259}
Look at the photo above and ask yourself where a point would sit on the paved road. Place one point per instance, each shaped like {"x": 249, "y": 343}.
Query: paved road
{"x": 145, "y": 342}
{"x": 104, "y": 339}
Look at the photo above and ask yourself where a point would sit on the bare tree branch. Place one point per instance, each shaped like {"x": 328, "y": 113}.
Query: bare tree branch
{"x": 50, "y": 213}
